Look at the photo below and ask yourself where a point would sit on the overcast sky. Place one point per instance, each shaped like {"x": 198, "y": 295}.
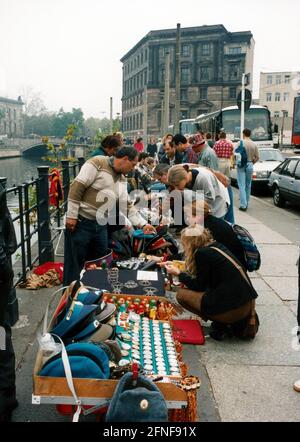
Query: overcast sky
{"x": 70, "y": 50}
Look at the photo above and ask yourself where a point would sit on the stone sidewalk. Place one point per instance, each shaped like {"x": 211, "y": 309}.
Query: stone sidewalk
{"x": 253, "y": 381}
{"x": 241, "y": 381}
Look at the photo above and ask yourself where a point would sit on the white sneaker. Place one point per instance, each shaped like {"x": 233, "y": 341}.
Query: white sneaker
{"x": 297, "y": 386}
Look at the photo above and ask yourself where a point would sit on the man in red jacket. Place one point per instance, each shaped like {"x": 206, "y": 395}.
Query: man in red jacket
{"x": 139, "y": 146}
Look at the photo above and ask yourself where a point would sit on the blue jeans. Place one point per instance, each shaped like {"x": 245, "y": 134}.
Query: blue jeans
{"x": 244, "y": 177}
{"x": 229, "y": 217}
{"x": 88, "y": 242}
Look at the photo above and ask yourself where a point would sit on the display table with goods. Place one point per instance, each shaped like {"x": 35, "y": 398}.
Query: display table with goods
{"x": 97, "y": 337}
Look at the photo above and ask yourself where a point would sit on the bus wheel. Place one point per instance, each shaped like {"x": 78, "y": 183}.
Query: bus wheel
{"x": 279, "y": 201}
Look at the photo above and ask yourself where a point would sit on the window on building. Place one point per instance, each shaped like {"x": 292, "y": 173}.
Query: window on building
{"x": 146, "y": 55}
{"x": 204, "y": 73}
{"x": 235, "y": 51}
{"x": 286, "y": 96}
{"x": 269, "y": 97}
{"x": 142, "y": 58}
{"x": 276, "y": 114}
{"x": 145, "y": 77}
{"x": 232, "y": 93}
{"x": 234, "y": 72}
{"x": 186, "y": 50}
{"x": 203, "y": 93}
{"x": 138, "y": 60}
{"x": 277, "y": 96}
{"x": 184, "y": 114}
{"x": 206, "y": 49}
{"x": 287, "y": 79}
{"x": 270, "y": 79}
{"x": 285, "y": 114}
{"x": 185, "y": 75}
{"x": 141, "y": 121}
{"x": 184, "y": 95}
{"x": 278, "y": 79}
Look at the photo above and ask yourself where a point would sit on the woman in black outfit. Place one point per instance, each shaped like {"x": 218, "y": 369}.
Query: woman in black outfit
{"x": 216, "y": 289}
{"x": 199, "y": 213}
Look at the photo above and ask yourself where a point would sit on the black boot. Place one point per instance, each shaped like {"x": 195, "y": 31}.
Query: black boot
{"x": 219, "y": 331}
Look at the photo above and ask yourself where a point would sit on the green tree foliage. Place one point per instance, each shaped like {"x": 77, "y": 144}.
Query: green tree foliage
{"x": 39, "y": 124}
{"x": 91, "y": 127}
{"x": 64, "y": 119}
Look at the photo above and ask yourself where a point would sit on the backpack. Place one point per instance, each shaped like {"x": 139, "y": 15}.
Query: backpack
{"x": 137, "y": 401}
{"x": 251, "y": 252}
{"x": 241, "y": 157}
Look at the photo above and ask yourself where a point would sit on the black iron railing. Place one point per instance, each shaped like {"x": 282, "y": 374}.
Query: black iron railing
{"x": 36, "y": 219}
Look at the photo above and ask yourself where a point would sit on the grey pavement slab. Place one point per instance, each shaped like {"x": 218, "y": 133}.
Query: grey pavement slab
{"x": 32, "y": 306}
{"x": 278, "y": 260}
{"x": 265, "y": 235}
{"x": 260, "y": 285}
{"x": 285, "y": 287}
{"x": 293, "y": 306}
{"x": 268, "y": 297}
{"x": 243, "y": 218}
{"x": 207, "y": 407}
{"x": 272, "y": 346}
{"x": 255, "y": 394}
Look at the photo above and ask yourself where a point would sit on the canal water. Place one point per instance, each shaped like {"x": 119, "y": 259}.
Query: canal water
{"x": 19, "y": 170}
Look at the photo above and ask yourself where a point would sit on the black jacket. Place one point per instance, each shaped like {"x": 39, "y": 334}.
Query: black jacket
{"x": 8, "y": 242}
{"x": 224, "y": 234}
{"x": 225, "y": 288}
{"x": 178, "y": 159}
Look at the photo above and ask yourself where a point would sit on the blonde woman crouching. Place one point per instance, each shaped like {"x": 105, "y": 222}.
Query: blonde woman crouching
{"x": 215, "y": 288}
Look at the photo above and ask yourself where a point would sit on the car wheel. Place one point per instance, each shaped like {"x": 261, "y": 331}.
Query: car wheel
{"x": 279, "y": 201}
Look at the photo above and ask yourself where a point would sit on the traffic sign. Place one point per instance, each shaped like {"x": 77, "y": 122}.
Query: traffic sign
{"x": 248, "y": 100}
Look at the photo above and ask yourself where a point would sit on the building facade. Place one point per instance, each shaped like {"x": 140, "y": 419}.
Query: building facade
{"x": 212, "y": 63}
{"x": 278, "y": 91}
{"x": 11, "y": 117}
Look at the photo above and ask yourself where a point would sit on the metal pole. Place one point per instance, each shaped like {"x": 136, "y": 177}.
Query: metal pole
{"x": 243, "y": 106}
{"x": 46, "y": 252}
{"x": 111, "y": 115}
{"x": 167, "y": 94}
{"x": 145, "y": 137}
{"x": 177, "y": 80}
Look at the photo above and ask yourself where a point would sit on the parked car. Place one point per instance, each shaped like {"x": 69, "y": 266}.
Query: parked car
{"x": 269, "y": 160}
{"x": 285, "y": 182}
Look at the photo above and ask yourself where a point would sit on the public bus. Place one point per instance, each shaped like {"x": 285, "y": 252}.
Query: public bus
{"x": 257, "y": 119}
{"x": 296, "y": 126}
{"x": 186, "y": 127}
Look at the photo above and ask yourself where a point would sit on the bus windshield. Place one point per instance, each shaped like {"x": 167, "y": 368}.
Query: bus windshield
{"x": 257, "y": 120}
{"x": 188, "y": 127}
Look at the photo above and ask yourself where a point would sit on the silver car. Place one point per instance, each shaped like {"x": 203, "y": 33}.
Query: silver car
{"x": 269, "y": 159}
{"x": 285, "y": 182}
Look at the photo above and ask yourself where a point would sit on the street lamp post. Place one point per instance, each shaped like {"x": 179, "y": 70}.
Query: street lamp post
{"x": 282, "y": 128}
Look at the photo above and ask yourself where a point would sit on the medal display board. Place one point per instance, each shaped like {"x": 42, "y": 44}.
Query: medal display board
{"x": 124, "y": 282}
{"x": 150, "y": 344}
